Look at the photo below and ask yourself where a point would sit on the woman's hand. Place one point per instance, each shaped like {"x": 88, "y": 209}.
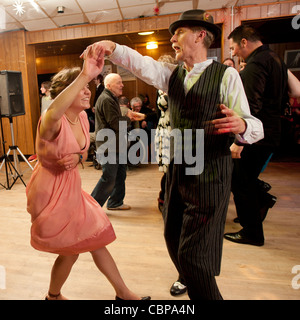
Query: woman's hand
{"x": 93, "y": 58}
{"x": 69, "y": 162}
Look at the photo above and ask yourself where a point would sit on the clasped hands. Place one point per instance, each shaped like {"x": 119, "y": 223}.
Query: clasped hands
{"x": 97, "y": 52}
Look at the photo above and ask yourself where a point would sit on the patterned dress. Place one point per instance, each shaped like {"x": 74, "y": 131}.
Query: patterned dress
{"x": 162, "y": 134}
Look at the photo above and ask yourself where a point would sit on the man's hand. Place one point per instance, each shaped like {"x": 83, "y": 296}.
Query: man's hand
{"x": 231, "y": 123}
{"x": 139, "y": 116}
{"x": 236, "y": 151}
{"x": 135, "y": 116}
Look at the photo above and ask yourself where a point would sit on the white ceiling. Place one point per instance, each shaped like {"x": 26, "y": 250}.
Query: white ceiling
{"x": 42, "y": 14}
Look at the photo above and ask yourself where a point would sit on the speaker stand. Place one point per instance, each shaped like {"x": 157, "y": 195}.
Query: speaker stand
{"x": 10, "y": 169}
{"x": 15, "y": 149}
{"x": 13, "y": 172}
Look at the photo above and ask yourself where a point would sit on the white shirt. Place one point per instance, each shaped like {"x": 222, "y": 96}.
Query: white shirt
{"x": 158, "y": 74}
{"x": 45, "y": 102}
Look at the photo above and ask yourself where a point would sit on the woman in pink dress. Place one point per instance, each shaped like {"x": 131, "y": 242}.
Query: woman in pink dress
{"x": 66, "y": 220}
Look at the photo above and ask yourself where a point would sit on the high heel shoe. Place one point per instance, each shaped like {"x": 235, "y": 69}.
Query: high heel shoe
{"x": 142, "y": 298}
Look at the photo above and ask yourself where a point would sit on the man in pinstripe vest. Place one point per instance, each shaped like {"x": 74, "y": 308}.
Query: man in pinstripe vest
{"x": 205, "y": 95}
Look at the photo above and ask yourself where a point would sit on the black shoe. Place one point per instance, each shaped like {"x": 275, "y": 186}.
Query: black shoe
{"x": 239, "y": 237}
{"x": 177, "y": 289}
{"x": 142, "y": 298}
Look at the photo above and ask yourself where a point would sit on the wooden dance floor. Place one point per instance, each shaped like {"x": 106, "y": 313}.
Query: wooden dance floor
{"x": 248, "y": 272}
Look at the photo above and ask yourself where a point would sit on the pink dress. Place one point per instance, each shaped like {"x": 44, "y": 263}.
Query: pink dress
{"x": 65, "y": 219}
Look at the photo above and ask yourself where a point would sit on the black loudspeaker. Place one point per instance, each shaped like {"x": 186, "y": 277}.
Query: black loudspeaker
{"x": 11, "y": 94}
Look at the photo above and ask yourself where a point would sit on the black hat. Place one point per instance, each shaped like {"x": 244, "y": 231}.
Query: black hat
{"x": 193, "y": 18}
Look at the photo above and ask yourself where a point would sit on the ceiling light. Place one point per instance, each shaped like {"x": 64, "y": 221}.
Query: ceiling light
{"x": 19, "y": 8}
{"x": 151, "y": 45}
{"x": 146, "y": 33}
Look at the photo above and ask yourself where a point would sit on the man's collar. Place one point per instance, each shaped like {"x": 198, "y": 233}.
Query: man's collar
{"x": 111, "y": 94}
{"x": 200, "y": 65}
{"x": 257, "y": 50}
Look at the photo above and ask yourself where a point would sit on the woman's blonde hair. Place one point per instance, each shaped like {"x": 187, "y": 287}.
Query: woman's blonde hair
{"x": 62, "y": 80}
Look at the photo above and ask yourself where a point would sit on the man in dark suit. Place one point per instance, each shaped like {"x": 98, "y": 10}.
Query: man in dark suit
{"x": 99, "y": 87}
{"x": 265, "y": 81}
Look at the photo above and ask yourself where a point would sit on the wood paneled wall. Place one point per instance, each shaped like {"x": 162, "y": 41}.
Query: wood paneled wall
{"x": 17, "y": 53}
{"x": 54, "y": 64}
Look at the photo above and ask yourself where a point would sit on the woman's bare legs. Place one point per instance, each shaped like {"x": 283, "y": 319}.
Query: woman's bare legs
{"x": 106, "y": 264}
{"x": 59, "y": 274}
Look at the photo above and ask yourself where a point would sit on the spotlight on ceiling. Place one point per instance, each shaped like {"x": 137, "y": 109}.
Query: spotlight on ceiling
{"x": 60, "y": 9}
{"x": 151, "y": 45}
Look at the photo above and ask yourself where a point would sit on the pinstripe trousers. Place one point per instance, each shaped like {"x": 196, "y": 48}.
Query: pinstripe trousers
{"x": 195, "y": 211}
